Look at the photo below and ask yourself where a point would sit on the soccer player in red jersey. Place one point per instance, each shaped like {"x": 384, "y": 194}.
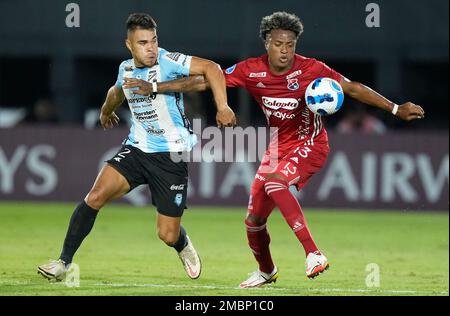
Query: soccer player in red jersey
{"x": 278, "y": 80}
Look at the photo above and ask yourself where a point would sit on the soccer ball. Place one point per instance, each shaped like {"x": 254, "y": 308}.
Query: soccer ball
{"x": 324, "y": 96}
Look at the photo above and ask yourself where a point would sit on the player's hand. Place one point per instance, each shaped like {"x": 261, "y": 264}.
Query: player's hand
{"x": 109, "y": 121}
{"x": 410, "y": 111}
{"x": 145, "y": 87}
{"x": 225, "y": 118}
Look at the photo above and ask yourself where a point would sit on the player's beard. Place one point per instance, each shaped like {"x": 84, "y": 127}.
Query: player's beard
{"x": 147, "y": 62}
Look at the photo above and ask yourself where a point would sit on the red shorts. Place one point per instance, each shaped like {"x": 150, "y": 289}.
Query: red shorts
{"x": 297, "y": 167}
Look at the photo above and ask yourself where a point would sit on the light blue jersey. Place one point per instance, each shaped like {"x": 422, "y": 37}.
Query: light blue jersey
{"x": 158, "y": 121}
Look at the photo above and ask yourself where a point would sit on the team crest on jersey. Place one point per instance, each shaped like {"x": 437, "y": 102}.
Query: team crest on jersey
{"x": 178, "y": 199}
{"x": 293, "y": 84}
{"x": 231, "y": 69}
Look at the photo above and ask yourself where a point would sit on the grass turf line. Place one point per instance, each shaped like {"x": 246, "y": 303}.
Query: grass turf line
{"x": 123, "y": 256}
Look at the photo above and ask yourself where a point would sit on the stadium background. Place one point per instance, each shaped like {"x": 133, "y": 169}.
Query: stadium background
{"x": 53, "y": 80}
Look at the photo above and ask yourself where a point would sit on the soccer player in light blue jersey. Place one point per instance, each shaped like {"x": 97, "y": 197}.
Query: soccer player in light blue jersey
{"x": 159, "y": 128}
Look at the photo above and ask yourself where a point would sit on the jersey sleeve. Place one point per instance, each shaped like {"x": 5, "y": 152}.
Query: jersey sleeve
{"x": 235, "y": 75}
{"x": 119, "y": 80}
{"x": 326, "y": 71}
{"x": 178, "y": 64}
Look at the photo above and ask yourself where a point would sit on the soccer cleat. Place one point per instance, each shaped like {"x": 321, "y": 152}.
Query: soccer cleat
{"x": 55, "y": 270}
{"x": 190, "y": 259}
{"x": 259, "y": 278}
{"x": 316, "y": 263}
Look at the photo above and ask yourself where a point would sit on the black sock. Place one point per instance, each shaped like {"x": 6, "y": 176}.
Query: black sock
{"x": 182, "y": 240}
{"x": 80, "y": 225}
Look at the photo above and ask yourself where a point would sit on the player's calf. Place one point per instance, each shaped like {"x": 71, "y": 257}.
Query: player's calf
{"x": 169, "y": 237}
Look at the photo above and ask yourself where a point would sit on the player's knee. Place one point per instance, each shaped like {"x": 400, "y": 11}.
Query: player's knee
{"x": 254, "y": 220}
{"x": 96, "y": 199}
{"x": 277, "y": 176}
{"x": 168, "y": 236}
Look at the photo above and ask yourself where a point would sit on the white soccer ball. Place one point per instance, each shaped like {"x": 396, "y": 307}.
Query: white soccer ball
{"x": 324, "y": 96}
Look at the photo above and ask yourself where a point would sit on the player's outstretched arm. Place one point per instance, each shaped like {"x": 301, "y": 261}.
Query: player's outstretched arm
{"x": 114, "y": 98}
{"x": 185, "y": 84}
{"x": 407, "y": 111}
{"x": 214, "y": 76}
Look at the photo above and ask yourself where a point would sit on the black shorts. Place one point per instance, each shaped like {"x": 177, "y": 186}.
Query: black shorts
{"x": 167, "y": 180}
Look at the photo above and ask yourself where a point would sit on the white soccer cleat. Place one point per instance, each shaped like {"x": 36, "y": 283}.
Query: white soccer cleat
{"x": 191, "y": 261}
{"x": 315, "y": 264}
{"x": 55, "y": 270}
{"x": 259, "y": 278}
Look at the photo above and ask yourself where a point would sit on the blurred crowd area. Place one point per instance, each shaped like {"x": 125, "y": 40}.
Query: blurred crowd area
{"x": 55, "y": 74}
{"x": 37, "y": 106}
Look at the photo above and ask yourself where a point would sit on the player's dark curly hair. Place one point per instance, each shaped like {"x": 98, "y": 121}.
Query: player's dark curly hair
{"x": 140, "y": 21}
{"x": 280, "y": 20}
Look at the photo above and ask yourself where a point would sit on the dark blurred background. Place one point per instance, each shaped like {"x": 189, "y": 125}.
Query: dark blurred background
{"x": 53, "y": 74}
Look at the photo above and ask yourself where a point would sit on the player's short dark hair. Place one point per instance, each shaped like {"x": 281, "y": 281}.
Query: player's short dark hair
{"x": 282, "y": 21}
{"x": 140, "y": 21}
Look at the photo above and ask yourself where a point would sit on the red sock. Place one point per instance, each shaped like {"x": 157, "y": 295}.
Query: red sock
{"x": 259, "y": 240}
{"x": 278, "y": 190}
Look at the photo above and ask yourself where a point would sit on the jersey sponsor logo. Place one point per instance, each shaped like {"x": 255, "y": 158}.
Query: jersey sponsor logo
{"x": 147, "y": 99}
{"x": 280, "y": 103}
{"x": 154, "y": 131}
{"x": 259, "y": 177}
{"x": 174, "y": 56}
{"x": 230, "y": 70}
{"x": 306, "y": 122}
{"x": 294, "y": 74}
{"x": 281, "y": 115}
{"x": 147, "y": 116}
{"x": 175, "y": 187}
{"x": 258, "y": 74}
{"x": 293, "y": 84}
{"x": 180, "y": 141}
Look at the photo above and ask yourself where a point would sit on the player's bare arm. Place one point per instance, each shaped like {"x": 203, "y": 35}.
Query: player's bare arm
{"x": 214, "y": 75}
{"x": 114, "y": 98}
{"x": 204, "y": 74}
{"x": 407, "y": 111}
{"x": 186, "y": 84}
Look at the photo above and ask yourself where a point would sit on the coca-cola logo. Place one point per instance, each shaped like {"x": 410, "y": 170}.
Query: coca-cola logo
{"x": 280, "y": 103}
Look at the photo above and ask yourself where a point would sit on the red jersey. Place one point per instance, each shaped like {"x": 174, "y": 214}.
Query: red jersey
{"x": 282, "y": 97}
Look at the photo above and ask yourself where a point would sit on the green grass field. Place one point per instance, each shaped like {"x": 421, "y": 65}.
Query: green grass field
{"x": 123, "y": 256}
